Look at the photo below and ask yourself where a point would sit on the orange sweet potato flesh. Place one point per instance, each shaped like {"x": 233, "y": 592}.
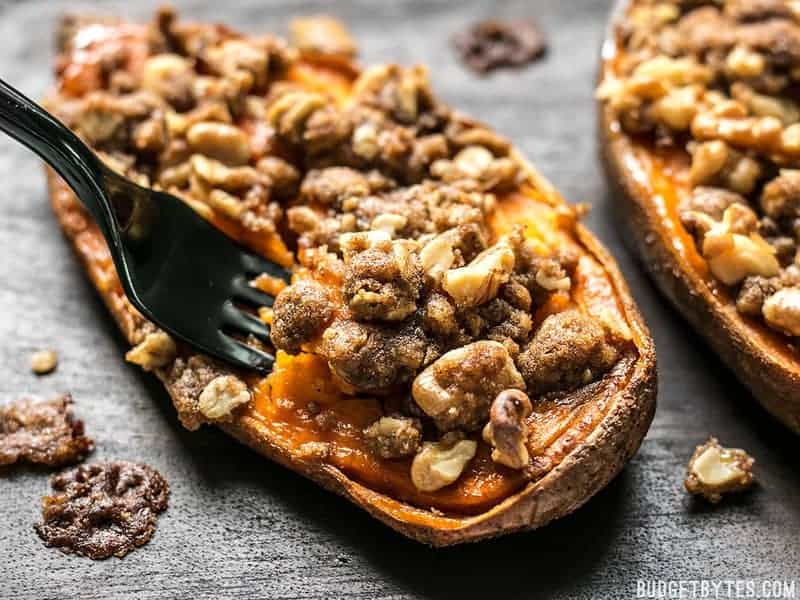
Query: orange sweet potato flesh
{"x": 649, "y": 183}
{"x": 578, "y": 443}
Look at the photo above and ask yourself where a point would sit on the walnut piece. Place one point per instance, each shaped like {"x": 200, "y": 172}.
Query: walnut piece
{"x": 507, "y": 430}
{"x": 456, "y": 390}
{"x": 155, "y": 351}
{"x": 321, "y": 34}
{"x": 733, "y": 252}
{"x": 782, "y": 311}
{"x": 478, "y": 282}
{"x": 44, "y": 362}
{"x": 714, "y": 471}
{"x": 221, "y": 396}
{"x": 441, "y": 463}
{"x": 222, "y": 142}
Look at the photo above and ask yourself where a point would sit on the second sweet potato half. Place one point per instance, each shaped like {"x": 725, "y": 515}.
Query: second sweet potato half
{"x": 457, "y": 355}
{"x": 700, "y": 132}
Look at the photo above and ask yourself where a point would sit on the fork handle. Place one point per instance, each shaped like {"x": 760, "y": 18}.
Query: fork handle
{"x": 30, "y": 124}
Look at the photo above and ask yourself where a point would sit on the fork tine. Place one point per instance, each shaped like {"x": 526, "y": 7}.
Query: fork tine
{"x": 242, "y": 290}
{"x": 245, "y": 355}
{"x": 244, "y": 322}
{"x": 255, "y": 265}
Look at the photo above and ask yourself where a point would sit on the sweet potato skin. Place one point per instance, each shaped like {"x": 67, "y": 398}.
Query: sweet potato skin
{"x": 774, "y": 380}
{"x": 585, "y": 471}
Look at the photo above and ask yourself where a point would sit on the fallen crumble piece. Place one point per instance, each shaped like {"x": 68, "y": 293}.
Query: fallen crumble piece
{"x": 42, "y": 432}
{"x": 494, "y": 44}
{"x": 44, "y": 362}
{"x": 103, "y": 509}
{"x": 714, "y": 470}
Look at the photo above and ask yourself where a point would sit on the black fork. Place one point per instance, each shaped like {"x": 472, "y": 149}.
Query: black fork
{"x": 176, "y": 268}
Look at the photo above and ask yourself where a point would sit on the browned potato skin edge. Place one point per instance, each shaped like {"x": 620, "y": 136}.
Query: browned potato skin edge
{"x": 773, "y": 380}
{"x": 581, "y": 474}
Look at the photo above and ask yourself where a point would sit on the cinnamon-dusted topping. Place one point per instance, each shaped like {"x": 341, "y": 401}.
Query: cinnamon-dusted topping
{"x": 718, "y": 79}
{"x": 714, "y": 471}
{"x": 42, "y": 432}
{"x": 103, "y": 509}
{"x": 405, "y": 287}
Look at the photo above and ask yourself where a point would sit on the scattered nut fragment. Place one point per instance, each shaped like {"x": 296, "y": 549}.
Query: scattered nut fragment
{"x": 155, "y": 351}
{"x": 220, "y": 141}
{"x": 104, "y": 509}
{"x": 437, "y": 256}
{"x": 492, "y": 44}
{"x": 507, "y": 430}
{"x": 221, "y": 396}
{"x": 45, "y": 433}
{"x": 44, "y": 362}
{"x": 394, "y": 437}
{"x": 714, "y": 471}
{"x": 441, "y": 463}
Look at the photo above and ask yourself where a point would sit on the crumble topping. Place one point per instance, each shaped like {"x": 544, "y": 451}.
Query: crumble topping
{"x": 103, "y": 509}
{"x": 42, "y": 432}
{"x": 719, "y": 79}
{"x": 388, "y": 197}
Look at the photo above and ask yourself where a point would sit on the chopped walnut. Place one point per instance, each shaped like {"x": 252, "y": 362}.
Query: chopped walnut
{"x": 782, "y": 311}
{"x": 44, "y": 362}
{"x": 735, "y": 250}
{"x": 714, "y": 471}
{"x": 321, "y": 35}
{"x": 394, "y": 437}
{"x": 507, "y": 430}
{"x": 781, "y": 196}
{"x": 225, "y": 143}
{"x": 155, "y": 351}
{"x": 221, "y": 396}
{"x": 457, "y": 389}
{"x": 479, "y": 281}
{"x": 441, "y": 463}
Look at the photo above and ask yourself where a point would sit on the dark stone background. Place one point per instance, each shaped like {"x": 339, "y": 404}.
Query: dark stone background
{"x": 240, "y": 526}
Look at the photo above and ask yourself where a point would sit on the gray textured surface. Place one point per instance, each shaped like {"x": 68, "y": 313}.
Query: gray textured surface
{"x": 239, "y": 526}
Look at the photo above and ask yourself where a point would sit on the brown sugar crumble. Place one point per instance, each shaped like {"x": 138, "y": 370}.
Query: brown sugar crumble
{"x": 103, "y": 509}
{"x": 493, "y": 44}
{"x": 42, "y": 432}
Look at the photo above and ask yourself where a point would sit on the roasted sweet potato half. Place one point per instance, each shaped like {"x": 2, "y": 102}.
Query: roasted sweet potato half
{"x": 699, "y": 128}
{"x": 456, "y": 354}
